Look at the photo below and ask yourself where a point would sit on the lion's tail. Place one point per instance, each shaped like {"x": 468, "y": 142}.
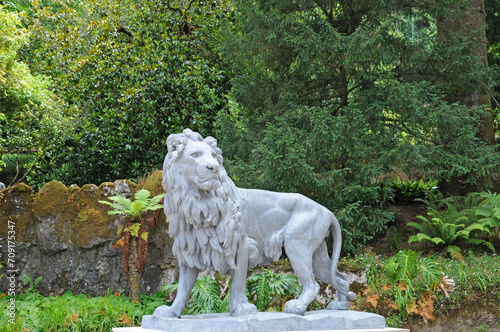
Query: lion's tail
{"x": 337, "y": 246}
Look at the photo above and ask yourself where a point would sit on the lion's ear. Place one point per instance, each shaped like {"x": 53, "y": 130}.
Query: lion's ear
{"x": 175, "y": 142}
{"x": 211, "y": 141}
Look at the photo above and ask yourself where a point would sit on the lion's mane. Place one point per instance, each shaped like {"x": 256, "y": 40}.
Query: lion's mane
{"x": 205, "y": 224}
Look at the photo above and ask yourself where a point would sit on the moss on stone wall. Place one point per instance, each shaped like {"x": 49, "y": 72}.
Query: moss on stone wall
{"x": 50, "y": 200}
{"x": 74, "y": 212}
{"x": 154, "y": 185}
{"x": 93, "y": 220}
{"x": 16, "y": 206}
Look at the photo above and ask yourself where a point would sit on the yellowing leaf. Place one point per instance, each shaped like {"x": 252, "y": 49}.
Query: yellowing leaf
{"x": 412, "y": 308}
{"x": 373, "y": 299}
{"x": 119, "y": 244}
{"x": 134, "y": 229}
{"x": 402, "y": 286}
{"x": 120, "y": 230}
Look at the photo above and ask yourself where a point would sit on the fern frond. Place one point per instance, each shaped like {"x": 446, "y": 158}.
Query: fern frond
{"x": 120, "y": 200}
{"x": 482, "y": 242}
{"x": 454, "y": 252}
{"x": 142, "y": 195}
{"x": 205, "y": 297}
{"x": 431, "y": 272}
{"x": 420, "y": 237}
{"x": 137, "y": 209}
{"x": 168, "y": 289}
{"x": 156, "y": 200}
{"x": 418, "y": 226}
{"x": 465, "y": 233}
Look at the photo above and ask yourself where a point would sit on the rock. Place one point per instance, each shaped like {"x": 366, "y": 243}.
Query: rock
{"x": 65, "y": 236}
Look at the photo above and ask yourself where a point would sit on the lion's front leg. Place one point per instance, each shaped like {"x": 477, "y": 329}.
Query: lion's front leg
{"x": 239, "y": 305}
{"x": 187, "y": 278}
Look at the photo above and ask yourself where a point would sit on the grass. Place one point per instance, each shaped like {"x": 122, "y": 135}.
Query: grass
{"x": 68, "y": 312}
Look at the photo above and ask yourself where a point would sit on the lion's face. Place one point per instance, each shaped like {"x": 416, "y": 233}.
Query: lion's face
{"x": 199, "y": 166}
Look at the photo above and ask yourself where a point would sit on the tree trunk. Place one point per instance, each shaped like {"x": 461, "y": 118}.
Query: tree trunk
{"x": 466, "y": 24}
{"x": 134, "y": 276}
{"x": 471, "y": 20}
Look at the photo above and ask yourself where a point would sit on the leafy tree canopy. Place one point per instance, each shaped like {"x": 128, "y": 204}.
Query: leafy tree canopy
{"x": 136, "y": 72}
{"x": 30, "y": 114}
{"x": 333, "y": 96}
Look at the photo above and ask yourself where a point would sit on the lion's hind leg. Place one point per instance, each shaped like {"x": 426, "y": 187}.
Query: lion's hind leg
{"x": 301, "y": 259}
{"x": 322, "y": 269}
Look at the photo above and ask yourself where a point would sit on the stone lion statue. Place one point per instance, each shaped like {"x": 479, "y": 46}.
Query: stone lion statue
{"x": 217, "y": 226}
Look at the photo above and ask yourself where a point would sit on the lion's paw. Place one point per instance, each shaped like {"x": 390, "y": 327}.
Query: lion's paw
{"x": 336, "y": 305}
{"x": 164, "y": 311}
{"x": 244, "y": 309}
{"x": 295, "y": 307}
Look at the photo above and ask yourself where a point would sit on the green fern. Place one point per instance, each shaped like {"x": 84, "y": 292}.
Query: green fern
{"x": 411, "y": 277}
{"x": 449, "y": 226}
{"x": 264, "y": 290}
{"x": 269, "y": 287}
{"x": 488, "y": 212}
{"x": 134, "y": 209}
{"x": 205, "y": 297}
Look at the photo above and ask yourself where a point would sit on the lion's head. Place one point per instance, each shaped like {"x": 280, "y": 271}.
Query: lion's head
{"x": 194, "y": 159}
{"x": 201, "y": 203}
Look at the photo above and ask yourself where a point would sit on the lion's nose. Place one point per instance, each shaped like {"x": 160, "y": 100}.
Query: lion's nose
{"x": 213, "y": 167}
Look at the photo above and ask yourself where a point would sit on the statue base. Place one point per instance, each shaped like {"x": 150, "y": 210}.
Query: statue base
{"x": 320, "y": 320}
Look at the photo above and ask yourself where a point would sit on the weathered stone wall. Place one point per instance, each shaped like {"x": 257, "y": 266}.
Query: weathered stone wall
{"x": 65, "y": 236}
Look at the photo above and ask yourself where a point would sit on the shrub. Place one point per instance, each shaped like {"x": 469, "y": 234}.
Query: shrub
{"x": 449, "y": 228}
{"x": 488, "y": 212}
{"x": 15, "y": 166}
{"x": 399, "y": 287}
{"x": 143, "y": 71}
{"x": 268, "y": 289}
{"x": 265, "y": 290}
{"x": 409, "y": 191}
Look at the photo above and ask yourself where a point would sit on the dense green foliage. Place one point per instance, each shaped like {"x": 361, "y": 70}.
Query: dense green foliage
{"x": 136, "y": 72}
{"x": 493, "y": 31}
{"x": 70, "y": 312}
{"x": 334, "y": 96}
{"x": 268, "y": 289}
{"x": 31, "y": 116}
{"x": 464, "y": 282}
{"x": 409, "y": 191}
{"x": 325, "y": 98}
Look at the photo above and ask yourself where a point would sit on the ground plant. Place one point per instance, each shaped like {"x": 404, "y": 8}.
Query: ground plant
{"x": 408, "y": 191}
{"x": 449, "y": 227}
{"x": 268, "y": 290}
{"x": 134, "y": 242}
{"x": 488, "y": 213}
{"x": 474, "y": 279}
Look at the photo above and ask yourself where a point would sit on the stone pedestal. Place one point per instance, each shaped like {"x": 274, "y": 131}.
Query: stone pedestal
{"x": 321, "y": 320}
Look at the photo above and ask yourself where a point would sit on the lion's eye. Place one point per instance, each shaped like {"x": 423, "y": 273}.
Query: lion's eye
{"x": 195, "y": 154}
